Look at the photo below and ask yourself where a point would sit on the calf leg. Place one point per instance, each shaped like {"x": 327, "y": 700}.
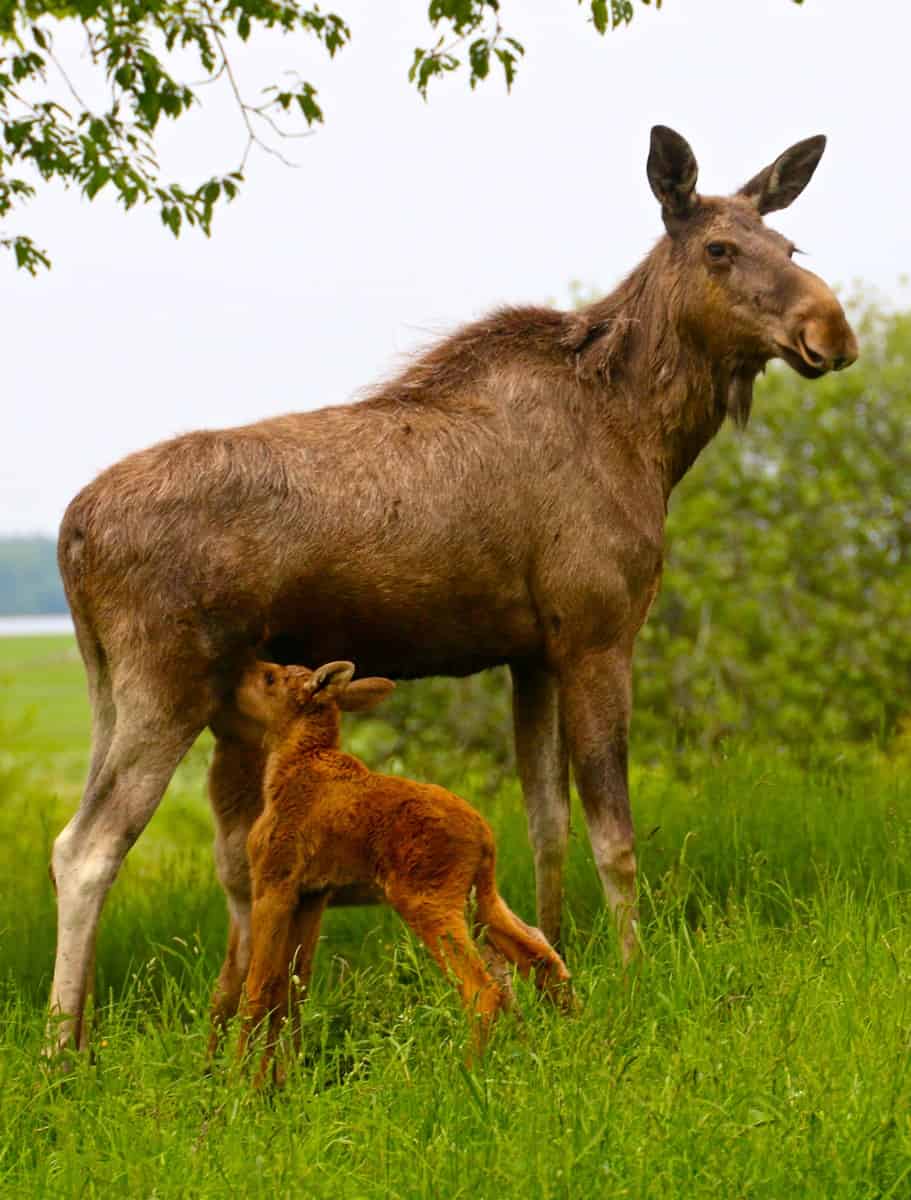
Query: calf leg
{"x": 267, "y": 980}
{"x": 445, "y": 933}
{"x": 305, "y": 929}
{"x": 527, "y": 948}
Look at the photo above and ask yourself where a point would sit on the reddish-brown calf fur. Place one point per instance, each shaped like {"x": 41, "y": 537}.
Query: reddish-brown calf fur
{"x": 501, "y": 501}
{"x": 328, "y": 822}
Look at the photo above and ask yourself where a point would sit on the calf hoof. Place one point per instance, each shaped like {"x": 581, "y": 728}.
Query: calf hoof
{"x": 500, "y": 971}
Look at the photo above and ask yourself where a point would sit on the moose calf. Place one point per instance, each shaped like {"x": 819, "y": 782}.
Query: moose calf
{"x": 328, "y": 822}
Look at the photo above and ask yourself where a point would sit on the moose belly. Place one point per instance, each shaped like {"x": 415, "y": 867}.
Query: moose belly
{"x": 402, "y": 632}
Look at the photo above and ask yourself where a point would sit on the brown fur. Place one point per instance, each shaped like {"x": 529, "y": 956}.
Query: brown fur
{"x": 328, "y": 822}
{"x": 501, "y": 501}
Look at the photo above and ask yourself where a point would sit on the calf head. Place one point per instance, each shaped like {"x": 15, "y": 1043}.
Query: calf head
{"x": 276, "y": 697}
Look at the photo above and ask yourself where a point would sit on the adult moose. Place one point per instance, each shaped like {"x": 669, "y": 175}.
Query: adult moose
{"x": 501, "y": 501}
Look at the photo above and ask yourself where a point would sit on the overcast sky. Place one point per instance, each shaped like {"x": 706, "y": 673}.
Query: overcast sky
{"x": 407, "y": 218}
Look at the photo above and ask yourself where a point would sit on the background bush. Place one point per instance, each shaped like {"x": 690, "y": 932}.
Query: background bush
{"x": 785, "y": 610}
{"x": 786, "y": 606}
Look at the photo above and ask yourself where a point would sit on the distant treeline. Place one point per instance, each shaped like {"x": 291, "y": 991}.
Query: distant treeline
{"x": 29, "y": 581}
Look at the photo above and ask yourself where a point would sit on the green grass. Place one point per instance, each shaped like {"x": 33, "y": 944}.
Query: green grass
{"x": 762, "y": 1049}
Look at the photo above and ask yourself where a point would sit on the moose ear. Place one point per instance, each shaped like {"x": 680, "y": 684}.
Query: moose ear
{"x": 330, "y": 679}
{"x": 672, "y": 171}
{"x": 364, "y": 694}
{"x": 779, "y": 184}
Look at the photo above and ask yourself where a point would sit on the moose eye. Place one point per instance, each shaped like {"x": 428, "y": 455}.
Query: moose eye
{"x": 716, "y": 250}
{"x": 270, "y": 678}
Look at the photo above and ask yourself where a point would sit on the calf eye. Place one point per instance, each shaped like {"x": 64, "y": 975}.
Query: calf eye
{"x": 716, "y": 250}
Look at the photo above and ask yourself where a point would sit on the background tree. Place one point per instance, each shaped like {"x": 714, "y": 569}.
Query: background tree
{"x": 138, "y": 47}
{"x": 29, "y": 580}
{"x": 786, "y": 601}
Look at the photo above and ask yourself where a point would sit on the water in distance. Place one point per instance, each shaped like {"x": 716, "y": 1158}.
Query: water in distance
{"x": 46, "y": 625}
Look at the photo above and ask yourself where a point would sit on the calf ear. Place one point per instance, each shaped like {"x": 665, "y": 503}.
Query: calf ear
{"x": 364, "y": 694}
{"x": 330, "y": 679}
{"x": 780, "y": 183}
{"x": 672, "y": 172}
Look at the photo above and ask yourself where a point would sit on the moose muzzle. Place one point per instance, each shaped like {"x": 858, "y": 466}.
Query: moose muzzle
{"x": 819, "y": 338}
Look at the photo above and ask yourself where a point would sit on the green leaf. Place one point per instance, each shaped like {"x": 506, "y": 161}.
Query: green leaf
{"x": 479, "y": 57}
{"x": 133, "y": 49}
{"x": 96, "y": 182}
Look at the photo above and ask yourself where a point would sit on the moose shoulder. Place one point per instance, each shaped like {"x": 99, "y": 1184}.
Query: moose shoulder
{"x": 501, "y": 501}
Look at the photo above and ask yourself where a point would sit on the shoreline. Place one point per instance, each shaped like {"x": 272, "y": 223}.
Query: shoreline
{"x": 37, "y": 625}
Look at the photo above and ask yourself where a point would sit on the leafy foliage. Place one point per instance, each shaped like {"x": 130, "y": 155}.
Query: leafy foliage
{"x": 129, "y": 42}
{"x": 50, "y": 132}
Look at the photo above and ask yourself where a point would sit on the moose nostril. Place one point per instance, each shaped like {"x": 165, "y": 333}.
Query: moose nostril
{"x": 813, "y": 358}
{"x": 840, "y": 362}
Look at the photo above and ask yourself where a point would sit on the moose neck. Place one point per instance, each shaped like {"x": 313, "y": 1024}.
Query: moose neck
{"x": 655, "y": 372}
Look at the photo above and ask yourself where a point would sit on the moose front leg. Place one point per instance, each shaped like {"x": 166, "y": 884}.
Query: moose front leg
{"x": 544, "y": 771}
{"x": 596, "y": 694}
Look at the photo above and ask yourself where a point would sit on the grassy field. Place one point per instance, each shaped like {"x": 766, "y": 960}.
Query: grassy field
{"x": 762, "y": 1049}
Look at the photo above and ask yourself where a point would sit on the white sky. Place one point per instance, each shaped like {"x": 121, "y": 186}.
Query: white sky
{"x": 407, "y": 218}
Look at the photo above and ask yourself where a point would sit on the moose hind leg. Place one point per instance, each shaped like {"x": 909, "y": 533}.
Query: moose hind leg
{"x": 235, "y": 793}
{"x": 87, "y": 855}
{"x": 228, "y": 988}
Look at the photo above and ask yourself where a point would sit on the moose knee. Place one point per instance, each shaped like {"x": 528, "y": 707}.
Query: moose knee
{"x": 83, "y": 867}
{"x": 548, "y": 832}
{"x": 624, "y": 863}
{"x": 616, "y": 857}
